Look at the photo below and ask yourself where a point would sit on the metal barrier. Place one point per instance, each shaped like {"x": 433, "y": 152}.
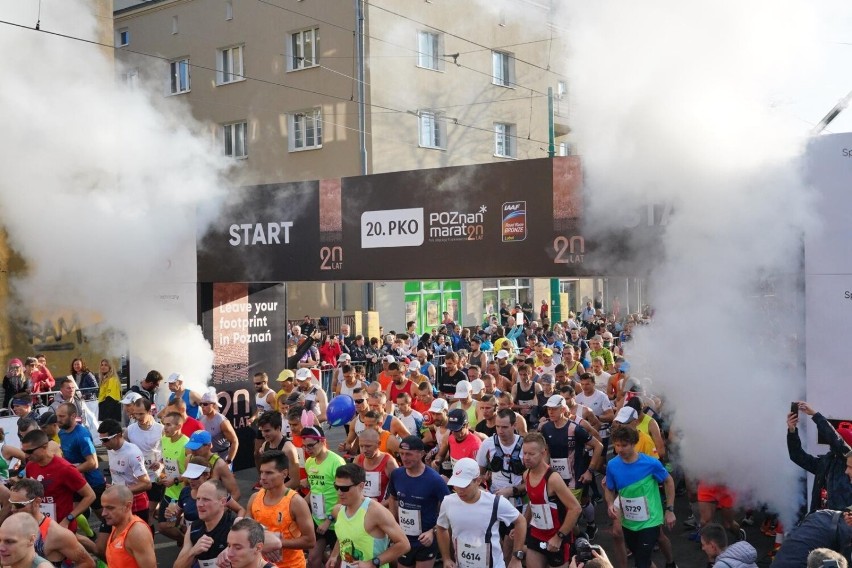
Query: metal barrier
{"x": 334, "y": 323}
{"x": 43, "y": 399}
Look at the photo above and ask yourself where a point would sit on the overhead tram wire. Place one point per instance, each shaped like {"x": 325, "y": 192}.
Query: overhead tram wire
{"x": 242, "y": 76}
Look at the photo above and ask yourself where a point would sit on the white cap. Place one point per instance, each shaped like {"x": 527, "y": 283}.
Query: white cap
{"x": 131, "y": 397}
{"x": 464, "y": 472}
{"x": 389, "y": 359}
{"x": 304, "y": 374}
{"x": 194, "y": 471}
{"x": 174, "y": 377}
{"x": 502, "y": 354}
{"x": 555, "y": 401}
{"x": 344, "y": 357}
{"x": 439, "y": 405}
{"x": 476, "y": 386}
{"x": 462, "y": 389}
{"x": 414, "y": 366}
{"x": 625, "y": 415}
{"x": 210, "y": 397}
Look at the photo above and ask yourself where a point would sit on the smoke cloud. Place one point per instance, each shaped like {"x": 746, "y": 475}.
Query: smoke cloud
{"x": 673, "y": 104}
{"x": 100, "y": 188}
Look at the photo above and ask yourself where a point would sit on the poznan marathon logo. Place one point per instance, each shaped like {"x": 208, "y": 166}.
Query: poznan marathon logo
{"x": 449, "y": 226}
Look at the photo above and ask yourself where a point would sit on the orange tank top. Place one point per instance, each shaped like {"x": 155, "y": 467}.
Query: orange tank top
{"x": 277, "y": 518}
{"x": 116, "y": 553}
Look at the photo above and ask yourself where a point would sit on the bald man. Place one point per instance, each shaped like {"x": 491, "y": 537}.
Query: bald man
{"x": 17, "y": 543}
{"x": 130, "y": 543}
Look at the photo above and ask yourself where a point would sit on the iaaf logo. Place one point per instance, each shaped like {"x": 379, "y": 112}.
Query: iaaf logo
{"x": 514, "y": 221}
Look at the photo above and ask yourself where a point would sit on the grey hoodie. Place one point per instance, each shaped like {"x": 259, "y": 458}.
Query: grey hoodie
{"x": 738, "y": 555}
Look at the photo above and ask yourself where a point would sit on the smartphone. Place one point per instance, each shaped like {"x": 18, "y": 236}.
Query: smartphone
{"x": 794, "y": 407}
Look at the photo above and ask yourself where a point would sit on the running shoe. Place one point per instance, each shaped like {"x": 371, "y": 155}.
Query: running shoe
{"x": 591, "y": 531}
{"x": 691, "y": 522}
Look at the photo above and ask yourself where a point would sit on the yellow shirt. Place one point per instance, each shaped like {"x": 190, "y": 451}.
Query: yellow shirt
{"x": 110, "y": 388}
{"x": 646, "y": 445}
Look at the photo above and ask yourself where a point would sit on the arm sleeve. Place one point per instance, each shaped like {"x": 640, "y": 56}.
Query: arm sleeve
{"x": 798, "y": 456}
{"x": 827, "y": 431}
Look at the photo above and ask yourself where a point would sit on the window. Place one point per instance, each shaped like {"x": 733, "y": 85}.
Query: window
{"x": 306, "y": 130}
{"x": 504, "y": 140}
{"x": 433, "y": 130}
{"x": 229, "y": 10}
{"x": 503, "y": 68}
{"x": 235, "y": 140}
{"x": 304, "y": 49}
{"x": 429, "y": 51}
{"x": 174, "y": 25}
{"x": 229, "y": 65}
{"x": 131, "y": 79}
{"x": 511, "y": 291}
{"x": 561, "y": 89}
{"x": 123, "y": 37}
{"x": 179, "y": 76}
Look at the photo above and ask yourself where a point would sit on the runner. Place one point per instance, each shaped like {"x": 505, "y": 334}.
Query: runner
{"x": 79, "y": 449}
{"x": 460, "y": 444}
{"x": 470, "y": 518}
{"x": 377, "y": 465}
{"x": 54, "y": 542}
{"x": 366, "y": 531}
{"x": 264, "y": 400}
{"x": 174, "y": 465}
{"x": 410, "y": 418}
{"x": 126, "y": 466}
{"x": 197, "y": 473}
{"x": 201, "y": 444}
{"x": 321, "y": 466}
{"x": 17, "y": 534}
{"x": 191, "y": 399}
{"x": 222, "y": 434}
{"x": 463, "y": 399}
{"x": 271, "y": 427}
{"x": 147, "y": 435}
{"x": 245, "y": 545}
{"x": 553, "y": 510}
{"x": 487, "y": 415}
{"x": 500, "y": 457}
{"x": 633, "y": 479}
{"x": 315, "y": 398}
{"x": 283, "y": 511}
{"x": 415, "y": 493}
{"x": 207, "y": 537}
{"x": 130, "y": 543}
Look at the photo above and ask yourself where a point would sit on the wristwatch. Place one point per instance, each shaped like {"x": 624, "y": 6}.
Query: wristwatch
{"x": 70, "y": 518}
{"x": 670, "y": 508}
{"x": 377, "y": 562}
{"x": 561, "y": 535}
{"x": 519, "y": 554}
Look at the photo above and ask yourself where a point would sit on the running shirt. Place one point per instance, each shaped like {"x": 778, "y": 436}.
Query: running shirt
{"x": 501, "y": 477}
{"x": 116, "y": 552}
{"x": 447, "y": 382}
{"x": 174, "y": 463}
{"x": 408, "y": 387}
{"x": 260, "y": 402}
{"x": 186, "y": 502}
{"x": 61, "y": 482}
{"x": 356, "y": 544}
{"x": 419, "y": 499}
{"x": 547, "y": 511}
{"x": 469, "y": 522}
{"x": 413, "y": 422}
{"x": 150, "y": 442}
{"x": 277, "y": 518}
{"x": 525, "y": 399}
{"x": 213, "y": 425}
{"x": 219, "y": 534}
{"x": 126, "y": 465}
{"x": 470, "y": 411}
{"x": 323, "y": 496}
{"x": 4, "y": 465}
{"x": 77, "y": 445}
{"x": 637, "y": 484}
{"x": 567, "y": 451}
{"x": 192, "y": 409}
{"x": 191, "y": 425}
{"x": 377, "y": 478}
{"x": 467, "y": 448}
{"x": 43, "y": 528}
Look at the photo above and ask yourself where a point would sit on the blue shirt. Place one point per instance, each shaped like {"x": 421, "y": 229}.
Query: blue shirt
{"x": 76, "y": 446}
{"x": 423, "y": 493}
{"x": 620, "y": 474}
{"x": 187, "y": 504}
{"x": 192, "y": 410}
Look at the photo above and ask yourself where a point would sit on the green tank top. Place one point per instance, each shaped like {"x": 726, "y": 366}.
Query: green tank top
{"x": 4, "y": 465}
{"x": 357, "y": 544}
{"x": 323, "y": 496}
{"x": 174, "y": 459}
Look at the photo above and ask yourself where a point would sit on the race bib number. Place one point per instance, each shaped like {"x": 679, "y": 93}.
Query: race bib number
{"x": 207, "y": 563}
{"x": 48, "y": 510}
{"x": 172, "y": 469}
{"x": 472, "y": 555}
{"x": 560, "y": 466}
{"x": 635, "y": 509}
{"x": 373, "y": 485}
{"x": 541, "y": 518}
{"x": 409, "y": 520}
{"x": 448, "y": 464}
{"x": 301, "y": 453}
{"x": 318, "y": 505}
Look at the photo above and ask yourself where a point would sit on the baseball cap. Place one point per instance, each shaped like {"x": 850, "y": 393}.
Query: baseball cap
{"x": 304, "y": 374}
{"x": 388, "y": 359}
{"x": 175, "y": 377}
{"x": 624, "y": 367}
{"x": 456, "y": 420}
{"x": 131, "y": 397}
{"x": 344, "y": 357}
{"x": 414, "y": 366}
{"x": 547, "y": 352}
{"x": 476, "y": 386}
{"x": 845, "y": 431}
{"x": 15, "y": 362}
{"x": 625, "y": 415}
{"x": 199, "y": 438}
{"x": 284, "y": 375}
{"x": 462, "y": 389}
{"x": 439, "y": 405}
{"x": 555, "y": 401}
{"x": 194, "y": 470}
{"x": 47, "y": 419}
{"x": 464, "y": 472}
{"x": 210, "y": 397}
{"x": 502, "y": 354}
{"x": 412, "y": 443}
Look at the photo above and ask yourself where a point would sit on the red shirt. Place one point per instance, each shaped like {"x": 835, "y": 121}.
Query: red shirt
{"x": 190, "y": 426}
{"x": 329, "y": 352}
{"x": 61, "y": 482}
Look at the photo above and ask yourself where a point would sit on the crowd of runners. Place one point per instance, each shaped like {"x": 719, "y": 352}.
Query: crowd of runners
{"x": 475, "y": 448}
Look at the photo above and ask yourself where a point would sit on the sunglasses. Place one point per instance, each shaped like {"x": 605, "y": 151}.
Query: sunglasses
{"x": 310, "y": 446}
{"x": 255, "y": 384}
{"x": 107, "y": 438}
{"x": 343, "y": 488}
{"x": 31, "y": 450}
{"x": 359, "y": 401}
{"x": 21, "y": 504}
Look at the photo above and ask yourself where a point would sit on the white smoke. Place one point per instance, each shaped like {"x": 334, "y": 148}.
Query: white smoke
{"x": 672, "y": 103}
{"x": 99, "y": 189}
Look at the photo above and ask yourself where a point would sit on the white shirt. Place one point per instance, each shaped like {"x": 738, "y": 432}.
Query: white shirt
{"x": 469, "y": 521}
{"x": 598, "y": 402}
{"x": 602, "y": 381}
{"x": 411, "y": 421}
{"x": 499, "y": 479}
{"x": 149, "y": 442}
{"x": 127, "y": 464}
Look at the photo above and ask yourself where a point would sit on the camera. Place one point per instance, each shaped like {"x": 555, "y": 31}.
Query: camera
{"x": 583, "y": 549}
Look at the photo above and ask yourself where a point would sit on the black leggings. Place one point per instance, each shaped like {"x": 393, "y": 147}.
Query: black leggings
{"x": 641, "y": 544}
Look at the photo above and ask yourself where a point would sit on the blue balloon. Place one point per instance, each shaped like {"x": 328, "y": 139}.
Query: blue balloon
{"x": 341, "y": 410}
